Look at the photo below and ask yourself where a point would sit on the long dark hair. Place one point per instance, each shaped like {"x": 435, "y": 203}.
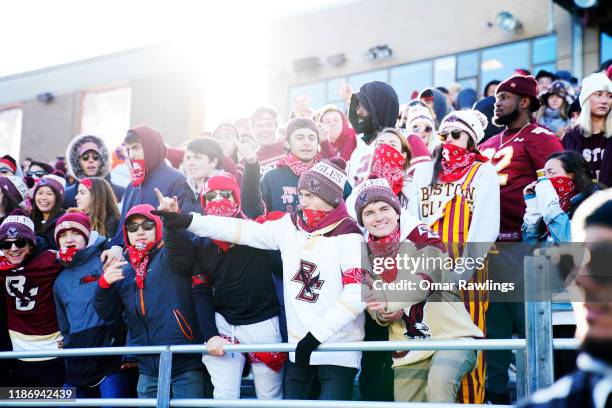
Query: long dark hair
{"x": 8, "y": 205}
{"x": 38, "y": 217}
{"x": 437, "y": 153}
{"x": 573, "y": 163}
{"x": 103, "y": 207}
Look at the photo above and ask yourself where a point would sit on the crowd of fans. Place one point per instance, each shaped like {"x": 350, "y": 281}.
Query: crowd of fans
{"x": 256, "y": 234}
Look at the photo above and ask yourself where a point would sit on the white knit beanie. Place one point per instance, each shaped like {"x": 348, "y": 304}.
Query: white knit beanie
{"x": 593, "y": 83}
{"x": 471, "y": 121}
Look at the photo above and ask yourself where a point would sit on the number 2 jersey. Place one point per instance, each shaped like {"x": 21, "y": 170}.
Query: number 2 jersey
{"x": 30, "y": 308}
{"x": 517, "y": 155}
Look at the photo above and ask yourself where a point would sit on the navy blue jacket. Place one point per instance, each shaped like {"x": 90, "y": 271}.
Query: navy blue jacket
{"x": 80, "y": 324}
{"x": 168, "y": 180}
{"x": 162, "y": 313}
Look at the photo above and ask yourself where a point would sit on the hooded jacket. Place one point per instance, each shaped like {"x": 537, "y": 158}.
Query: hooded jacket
{"x": 381, "y": 101}
{"x": 74, "y": 168}
{"x": 167, "y": 179}
{"x": 163, "y": 312}
{"x": 81, "y": 326}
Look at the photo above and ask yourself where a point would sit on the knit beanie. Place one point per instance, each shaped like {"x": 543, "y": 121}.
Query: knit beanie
{"x": 73, "y": 220}
{"x": 325, "y": 180}
{"x": 222, "y": 181}
{"x": 471, "y": 121}
{"x": 54, "y": 182}
{"x": 14, "y": 187}
{"x": 593, "y": 83}
{"x": 521, "y": 85}
{"x": 371, "y": 191}
{"x": 18, "y": 225}
{"x": 418, "y": 112}
{"x": 301, "y": 123}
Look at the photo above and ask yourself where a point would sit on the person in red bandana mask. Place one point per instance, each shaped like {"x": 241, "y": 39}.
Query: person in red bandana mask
{"x": 458, "y": 197}
{"x": 552, "y": 200}
{"x": 235, "y": 299}
{"x": 27, "y": 274}
{"x": 151, "y": 290}
{"x": 74, "y": 289}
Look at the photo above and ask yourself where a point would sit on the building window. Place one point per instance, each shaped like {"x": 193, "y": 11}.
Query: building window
{"x": 10, "y": 131}
{"x": 472, "y": 69}
{"x": 606, "y": 47}
{"x": 106, "y": 114}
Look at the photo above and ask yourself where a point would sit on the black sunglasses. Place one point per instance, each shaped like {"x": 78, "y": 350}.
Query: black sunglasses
{"x": 86, "y": 156}
{"x": 5, "y": 170}
{"x": 134, "y": 226}
{"x": 455, "y": 134}
{"x": 38, "y": 173}
{"x": 211, "y": 195}
{"x": 19, "y": 243}
{"x": 417, "y": 128}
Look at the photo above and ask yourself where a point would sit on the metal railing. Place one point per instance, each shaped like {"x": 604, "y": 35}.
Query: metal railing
{"x": 534, "y": 359}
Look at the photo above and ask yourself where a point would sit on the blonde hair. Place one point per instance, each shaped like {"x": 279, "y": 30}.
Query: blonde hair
{"x": 584, "y": 121}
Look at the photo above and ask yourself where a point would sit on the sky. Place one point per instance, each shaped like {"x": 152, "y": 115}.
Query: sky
{"x": 38, "y": 34}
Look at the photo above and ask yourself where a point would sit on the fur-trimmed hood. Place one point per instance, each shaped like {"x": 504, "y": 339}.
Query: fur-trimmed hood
{"x": 72, "y": 156}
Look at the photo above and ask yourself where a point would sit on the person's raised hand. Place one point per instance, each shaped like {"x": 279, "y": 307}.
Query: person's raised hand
{"x": 114, "y": 272}
{"x": 111, "y": 255}
{"x": 166, "y": 204}
{"x": 248, "y": 151}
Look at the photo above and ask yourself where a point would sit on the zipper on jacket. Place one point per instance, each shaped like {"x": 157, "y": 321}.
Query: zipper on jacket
{"x": 142, "y": 305}
{"x": 180, "y": 319}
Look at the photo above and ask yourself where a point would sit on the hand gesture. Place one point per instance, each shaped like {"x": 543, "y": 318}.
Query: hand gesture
{"x": 301, "y": 105}
{"x": 247, "y": 151}
{"x": 111, "y": 255}
{"x": 323, "y": 132}
{"x": 345, "y": 91}
{"x": 214, "y": 346}
{"x": 166, "y": 204}
{"x": 529, "y": 188}
{"x": 114, "y": 272}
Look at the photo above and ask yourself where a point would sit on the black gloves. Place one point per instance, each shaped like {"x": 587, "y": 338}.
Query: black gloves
{"x": 304, "y": 349}
{"x": 174, "y": 220}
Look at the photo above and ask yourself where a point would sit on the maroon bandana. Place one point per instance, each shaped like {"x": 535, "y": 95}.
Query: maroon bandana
{"x": 456, "y": 161}
{"x": 138, "y": 172}
{"x": 388, "y": 163}
{"x": 223, "y": 208}
{"x": 564, "y": 186}
{"x": 313, "y": 217}
{"x": 66, "y": 255}
{"x": 5, "y": 265}
{"x": 139, "y": 259}
{"x": 386, "y": 247}
{"x": 296, "y": 165}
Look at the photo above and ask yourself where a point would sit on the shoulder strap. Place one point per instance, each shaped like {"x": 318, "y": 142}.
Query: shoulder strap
{"x": 470, "y": 176}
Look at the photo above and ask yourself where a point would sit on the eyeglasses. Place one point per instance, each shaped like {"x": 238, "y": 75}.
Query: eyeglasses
{"x": 5, "y": 170}
{"x": 455, "y": 134}
{"x": 19, "y": 243}
{"x": 87, "y": 156}
{"x": 427, "y": 129}
{"x": 211, "y": 195}
{"x": 38, "y": 173}
{"x": 134, "y": 226}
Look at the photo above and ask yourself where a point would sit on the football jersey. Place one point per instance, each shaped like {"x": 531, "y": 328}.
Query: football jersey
{"x": 517, "y": 155}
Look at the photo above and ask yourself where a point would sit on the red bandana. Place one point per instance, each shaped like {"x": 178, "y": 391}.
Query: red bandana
{"x": 138, "y": 172}
{"x": 223, "y": 208}
{"x": 5, "y": 265}
{"x": 456, "y": 161}
{"x": 139, "y": 259}
{"x": 273, "y": 359}
{"x": 388, "y": 163}
{"x": 313, "y": 217}
{"x": 296, "y": 165}
{"x": 384, "y": 248}
{"x": 66, "y": 255}
{"x": 564, "y": 186}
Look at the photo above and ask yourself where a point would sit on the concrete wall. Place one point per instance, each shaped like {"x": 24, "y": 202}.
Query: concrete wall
{"x": 165, "y": 95}
{"x": 414, "y": 30}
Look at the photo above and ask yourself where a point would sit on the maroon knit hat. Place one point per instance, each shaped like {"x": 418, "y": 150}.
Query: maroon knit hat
{"x": 54, "y": 181}
{"x": 371, "y": 191}
{"x": 325, "y": 180}
{"x": 18, "y": 225}
{"x": 75, "y": 221}
{"x": 521, "y": 85}
{"x": 14, "y": 187}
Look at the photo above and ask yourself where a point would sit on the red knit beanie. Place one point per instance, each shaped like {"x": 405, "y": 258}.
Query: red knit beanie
{"x": 73, "y": 220}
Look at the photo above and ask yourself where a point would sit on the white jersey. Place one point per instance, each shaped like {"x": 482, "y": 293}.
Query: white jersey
{"x": 322, "y": 286}
{"x": 359, "y": 164}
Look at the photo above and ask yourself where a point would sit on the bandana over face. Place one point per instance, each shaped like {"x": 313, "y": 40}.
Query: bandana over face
{"x": 297, "y": 166}
{"x": 138, "y": 172}
{"x": 66, "y": 255}
{"x": 388, "y": 163}
{"x": 223, "y": 208}
{"x": 313, "y": 217}
{"x": 456, "y": 161}
{"x": 564, "y": 186}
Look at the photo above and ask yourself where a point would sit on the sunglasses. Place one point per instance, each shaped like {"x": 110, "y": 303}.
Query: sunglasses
{"x": 134, "y": 226}
{"x": 38, "y": 173}
{"x": 211, "y": 195}
{"x": 87, "y": 156}
{"x": 5, "y": 170}
{"x": 455, "y": 134}
{"x": 19, "y": 243}
{"x": 427, "y": 129}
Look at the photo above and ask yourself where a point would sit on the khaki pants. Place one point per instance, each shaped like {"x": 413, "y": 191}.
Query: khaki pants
{"x": 435, "y": 379}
